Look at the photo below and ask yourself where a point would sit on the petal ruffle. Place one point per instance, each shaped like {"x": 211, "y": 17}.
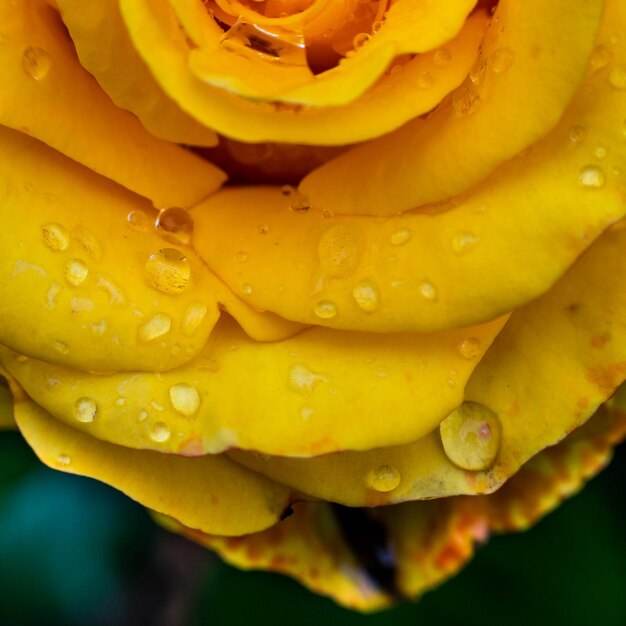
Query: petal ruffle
{"x": 211, "y": 493}
{"x": 46, "y": 93}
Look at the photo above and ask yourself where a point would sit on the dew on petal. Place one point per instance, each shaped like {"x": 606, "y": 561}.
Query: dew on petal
{"x": 138, "y": 221}
{"x": 85, "y": 409}
{"x": 168, "y": 271}
{"x": 157, "y": 326}
{"x": 64, "y": 460}
{"x": 428, "y": 290}
{"x": 617, "y": 77}
{"x": 470, "y": 348}
{"x": 76, "y": 272}
{"x": 55, "y": 237}
{"x": 175, "y": 224}
{"x": 366, "y": 296}
{"x": 471, "y": 436}
{"x": 383, "y": 478}
{"x": 464, "y": 242}
{"x": 36, "y": 62}
{"x": 185, "y": 399}
{"x": 194, "y": 314}
{"x": 577, "y": 133}
{"x": 325, "y": 309}
{"x": 400, "y": 237}
{"x": 501, "y": 59}
{"x": 160, "y": 432}
{"x": 591, "y": 176}
{"x": 442, "y": 57}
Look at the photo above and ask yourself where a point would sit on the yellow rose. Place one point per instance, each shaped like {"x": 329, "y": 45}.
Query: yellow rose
{"x": 438, "y": 303}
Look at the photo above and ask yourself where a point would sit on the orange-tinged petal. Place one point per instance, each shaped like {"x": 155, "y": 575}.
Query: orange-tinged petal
{"x": 105, "y": 50}
{"x": 317, "y": 392}
{"x": 154, "y": 30}
{"x": 534, "y": 67}
{"x": 503, "y": 245}
{"x": 47, "y": 93}
{"x": 547, "y": 371}
{"x": 210, "y": 493}
{"x": 308, "y": 546}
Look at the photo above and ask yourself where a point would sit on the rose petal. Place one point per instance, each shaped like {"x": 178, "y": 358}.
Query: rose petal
{"x": 211, "y": 493}
{"x": 317, "y": 392}
{"x": 550, "y": 367}
{"x": 151, "y": 24}
{"x": 46, "y": 93}
{"x": 534, "y": 68}
{"x": 106, "y": 51}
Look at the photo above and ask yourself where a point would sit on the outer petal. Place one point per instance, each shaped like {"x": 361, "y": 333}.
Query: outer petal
{"x": 106, "y": 51}
{"x": 48, "y": 94}
{"x": 535, "y": 68}
{"x": 7, "y": 420}
{"x": 211, "y": 493}
{"x": 551, "y": 366}
{"x": 317, "y": 392}
{"x": 151, "y": 25}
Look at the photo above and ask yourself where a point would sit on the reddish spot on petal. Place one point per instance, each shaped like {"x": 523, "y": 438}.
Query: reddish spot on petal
{"x": 191, "y": 447}
{"x": 599, "y": 341}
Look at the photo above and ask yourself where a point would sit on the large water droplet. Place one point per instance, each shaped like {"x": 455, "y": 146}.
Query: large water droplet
{"x": 157, "y": 326}
{"x": 138, "y": 221}
{"x": 168, "y": 270}
{"x": 175, "y": 225}
{"x": 36, "y": 62}
{"x": 325, "y": 309}
{"x": 85, "y": 409}
{"x": 383, "y": 478}
{"x": 471, "y": 436}
{"x": 160, "y": 432}
{"x": 185, "y": 399}
{"x": 591, "y": 176}
{"x": 55, "y": 236}
{"x": 366, "y": 295}
{"x": 76, "y": 272}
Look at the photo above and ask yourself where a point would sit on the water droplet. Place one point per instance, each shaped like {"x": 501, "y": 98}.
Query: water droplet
{"x": 168, "y": 270}
{"x": 383, "y": 478}
{"x": 242, "y": 257}
{"x": 85, "y": 409}
{"x": 471, "y": 436}
{"x": 325, "y": 309}
{"x": 428, "y": 290}
{"x": 366, "y": 295}
{"x": 339, "y": 249}
{"x": 36, "y": 62}
{"x": 287, "y": 190}
{"x": 306, "y": 413}
{"x": 464, "y": 242}
{"x": 617, "y": 77}
{"x": 400, "y": 237}
{"x": 185, "y": 399}
{"x": 591, "y": 176}
{"x": 246, "y": 289}
{"x": 60, "y": 347}
{"x": 160, "y": 432}
{"x": 470, "y": 348}
{"x": 55, "y": 236}
{"x": 157, "y": 326}
{"x": 377, "y": 25}
{"x": 76, "y": 272}
{"x": 175, "y": 225}
{"x": 425, "y": 80}
{"x": 193, "y": 317}
{"x": 501, "y": 59}
{"x": 86, "y": 240}
{"x": 299, "y": 202}
{"x": 302, "y": 380}
{"x": 600, "y": 57}
{"x": 270, "y": 45}
{"x": 578, "y": 133}
{"x": 138, "y": 220}
{"x": 64, "y": 459}
{"x": 600, "y": 152}
{"x": 81, "y": 304}
{"x": 360, "y": 39}
{"x": 99, "y": 328}
{"x": 263, "y": 229}
{"x": 143, "y": 416}
{"x": 442, "y": 57}
{"x": 466, "y": 100}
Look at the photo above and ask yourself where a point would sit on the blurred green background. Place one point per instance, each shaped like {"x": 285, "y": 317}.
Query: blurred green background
{"x": 75, "y": 552}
